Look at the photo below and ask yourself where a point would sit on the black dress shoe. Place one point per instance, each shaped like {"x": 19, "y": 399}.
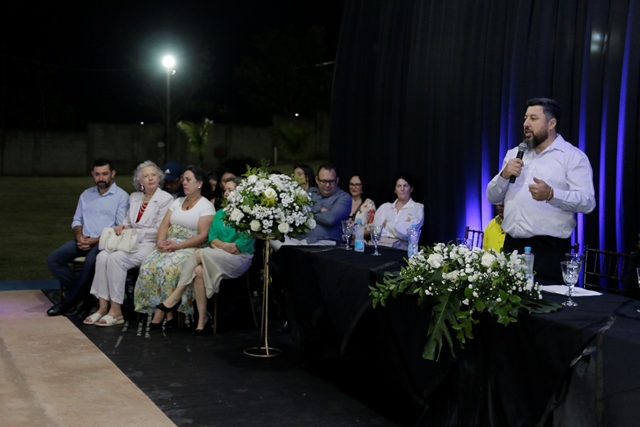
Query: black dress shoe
{"x": 56, "y": 310}
{"x": 207, "y": 330}
{"x": 154, "y": 326}
{"x": 171, "y": 324}
{"x": 77, "y": 309}
{"x": 166, "y": 309}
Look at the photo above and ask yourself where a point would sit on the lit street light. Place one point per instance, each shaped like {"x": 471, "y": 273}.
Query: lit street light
{"x": 168, "y": 62}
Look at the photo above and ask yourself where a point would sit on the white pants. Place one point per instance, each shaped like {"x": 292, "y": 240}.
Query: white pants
{"x": 111, "y": 271}
{"x": 217, "y": 264}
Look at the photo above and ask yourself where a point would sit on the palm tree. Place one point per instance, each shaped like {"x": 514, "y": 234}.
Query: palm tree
{"x": 196, "y": 135}
{"x": 294, "y": 140}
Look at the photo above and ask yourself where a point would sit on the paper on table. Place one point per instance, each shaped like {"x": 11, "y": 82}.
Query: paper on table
{"x": 563, "y": 290}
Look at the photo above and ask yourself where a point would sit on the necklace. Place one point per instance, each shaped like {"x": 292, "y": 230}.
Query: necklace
{"x": 143, "y": 207}
{"x": 148, "y": 197}
{"x": 191, "y": 203}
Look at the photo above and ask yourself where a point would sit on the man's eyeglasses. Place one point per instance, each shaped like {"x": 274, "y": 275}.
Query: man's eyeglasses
{"x": 327, "y": 181}
{"x": 355, "y": 184}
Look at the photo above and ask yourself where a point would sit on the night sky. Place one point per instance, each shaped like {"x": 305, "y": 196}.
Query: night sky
{"x": 98, "y": 59}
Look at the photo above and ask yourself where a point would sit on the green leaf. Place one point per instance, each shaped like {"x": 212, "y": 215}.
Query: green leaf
{"x": 479, "y": 305}
{"x": 490, "y": 293}
{"x": 442, "y": 314}
{"x": 515, "y": 298}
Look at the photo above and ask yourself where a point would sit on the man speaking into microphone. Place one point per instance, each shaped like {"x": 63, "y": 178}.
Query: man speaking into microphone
{"x": 542, "y": 185}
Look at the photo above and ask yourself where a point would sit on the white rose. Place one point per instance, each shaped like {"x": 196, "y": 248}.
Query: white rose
{"x": 270, "y": 193}
{"x": 435, "y": 260}
{"x": 236, "y": 215}
{"x": 255, "y": 225}
{"x": 312, "y": 224}
{"x": 283, "y": 227}
{"x": 487, "y": 259}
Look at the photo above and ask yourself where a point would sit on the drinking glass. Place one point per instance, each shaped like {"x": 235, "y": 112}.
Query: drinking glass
{"x": 463, "y": 241}
{"x": 347, "y": 230}
{"x": 638, "y": 272}
{"x": 577, "y": 258}
{"x": 570, "y": 272}
{"x": 376, "y": 233}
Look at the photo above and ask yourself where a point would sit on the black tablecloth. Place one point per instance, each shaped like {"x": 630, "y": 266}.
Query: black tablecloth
{"x": 544, "y": 366}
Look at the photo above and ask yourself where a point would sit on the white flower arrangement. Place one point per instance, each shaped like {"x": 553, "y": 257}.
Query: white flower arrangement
{"x": 272, "y": 205}
{"x": 457, "y": 284}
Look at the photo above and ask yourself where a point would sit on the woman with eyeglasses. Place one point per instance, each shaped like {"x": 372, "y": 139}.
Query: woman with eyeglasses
{"x": 396, "y": 218}
{"x": 362, "y": 208}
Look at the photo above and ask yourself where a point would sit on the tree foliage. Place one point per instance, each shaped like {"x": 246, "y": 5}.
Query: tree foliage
{"x": 294, "y": 140}
{"x": 197, "y": 135}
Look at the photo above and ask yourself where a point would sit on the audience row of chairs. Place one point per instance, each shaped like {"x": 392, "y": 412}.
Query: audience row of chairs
{"x": 229, "y": 293}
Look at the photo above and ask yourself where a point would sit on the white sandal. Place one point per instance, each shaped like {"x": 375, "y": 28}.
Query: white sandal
{"x": 93, "y": 319}
{"x": 109, "y": 320}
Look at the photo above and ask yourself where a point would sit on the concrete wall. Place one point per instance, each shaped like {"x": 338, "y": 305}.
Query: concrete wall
{"x": 37, "y": 153}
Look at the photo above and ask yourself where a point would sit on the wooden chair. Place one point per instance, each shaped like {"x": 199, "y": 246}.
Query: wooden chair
{"x": 474, "y": 237}
{"x": 604, "y": 271}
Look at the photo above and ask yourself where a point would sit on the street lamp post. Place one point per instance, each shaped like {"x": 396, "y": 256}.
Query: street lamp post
{"x": 168, "y": 62}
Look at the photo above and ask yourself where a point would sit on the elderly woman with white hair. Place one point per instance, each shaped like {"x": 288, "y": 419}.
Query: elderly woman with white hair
{"x": 147, "y": 208}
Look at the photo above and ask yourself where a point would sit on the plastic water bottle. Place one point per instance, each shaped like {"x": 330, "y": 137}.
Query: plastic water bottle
{"x": 414, "y": 239}
{"x": 528, "y": 259}
{"x": 359, "y": 239}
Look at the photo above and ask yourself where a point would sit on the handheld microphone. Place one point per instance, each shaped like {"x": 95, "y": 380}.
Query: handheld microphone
{"x": 521, "y": 149}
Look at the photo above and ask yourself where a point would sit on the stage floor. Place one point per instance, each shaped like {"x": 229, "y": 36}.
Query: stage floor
{"x": 52, "y": 375}
{"x": 59, "y": 372}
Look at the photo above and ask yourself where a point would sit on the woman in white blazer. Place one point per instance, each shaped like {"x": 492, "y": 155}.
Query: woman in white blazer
{"x": 147, "y": 208}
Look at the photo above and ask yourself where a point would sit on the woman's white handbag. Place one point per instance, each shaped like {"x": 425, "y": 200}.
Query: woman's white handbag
{"x": 127, "y": 241}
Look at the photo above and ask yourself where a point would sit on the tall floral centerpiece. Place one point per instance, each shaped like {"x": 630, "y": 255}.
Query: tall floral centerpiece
{"x": 457, "y": 284}
{"x": 269, "y": 205}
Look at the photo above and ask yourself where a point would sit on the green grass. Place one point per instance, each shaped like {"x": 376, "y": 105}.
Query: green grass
{"x": 36, "y": 216}
{"x": 35, "y": 219}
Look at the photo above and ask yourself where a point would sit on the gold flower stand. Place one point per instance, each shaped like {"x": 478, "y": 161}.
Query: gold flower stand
{"x": 263, "y": 349}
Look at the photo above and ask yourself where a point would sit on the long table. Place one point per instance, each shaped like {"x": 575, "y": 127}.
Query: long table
{"x": 572, "y": 367}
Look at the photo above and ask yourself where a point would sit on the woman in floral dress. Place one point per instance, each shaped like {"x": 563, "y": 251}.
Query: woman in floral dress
{"x": 228, "y": 256}
{"x": 184, "y": 228}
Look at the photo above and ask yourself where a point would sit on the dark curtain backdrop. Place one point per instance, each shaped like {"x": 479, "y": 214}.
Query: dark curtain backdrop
{"x": 438, "y": 89}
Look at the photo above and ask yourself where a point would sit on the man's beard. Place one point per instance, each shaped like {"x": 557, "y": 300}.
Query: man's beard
{"x": 536, "y": 139}
{"x": 102, "y": 184}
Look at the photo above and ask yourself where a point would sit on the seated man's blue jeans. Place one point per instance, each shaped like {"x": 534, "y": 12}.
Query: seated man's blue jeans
{"x": 76, "y": 287}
